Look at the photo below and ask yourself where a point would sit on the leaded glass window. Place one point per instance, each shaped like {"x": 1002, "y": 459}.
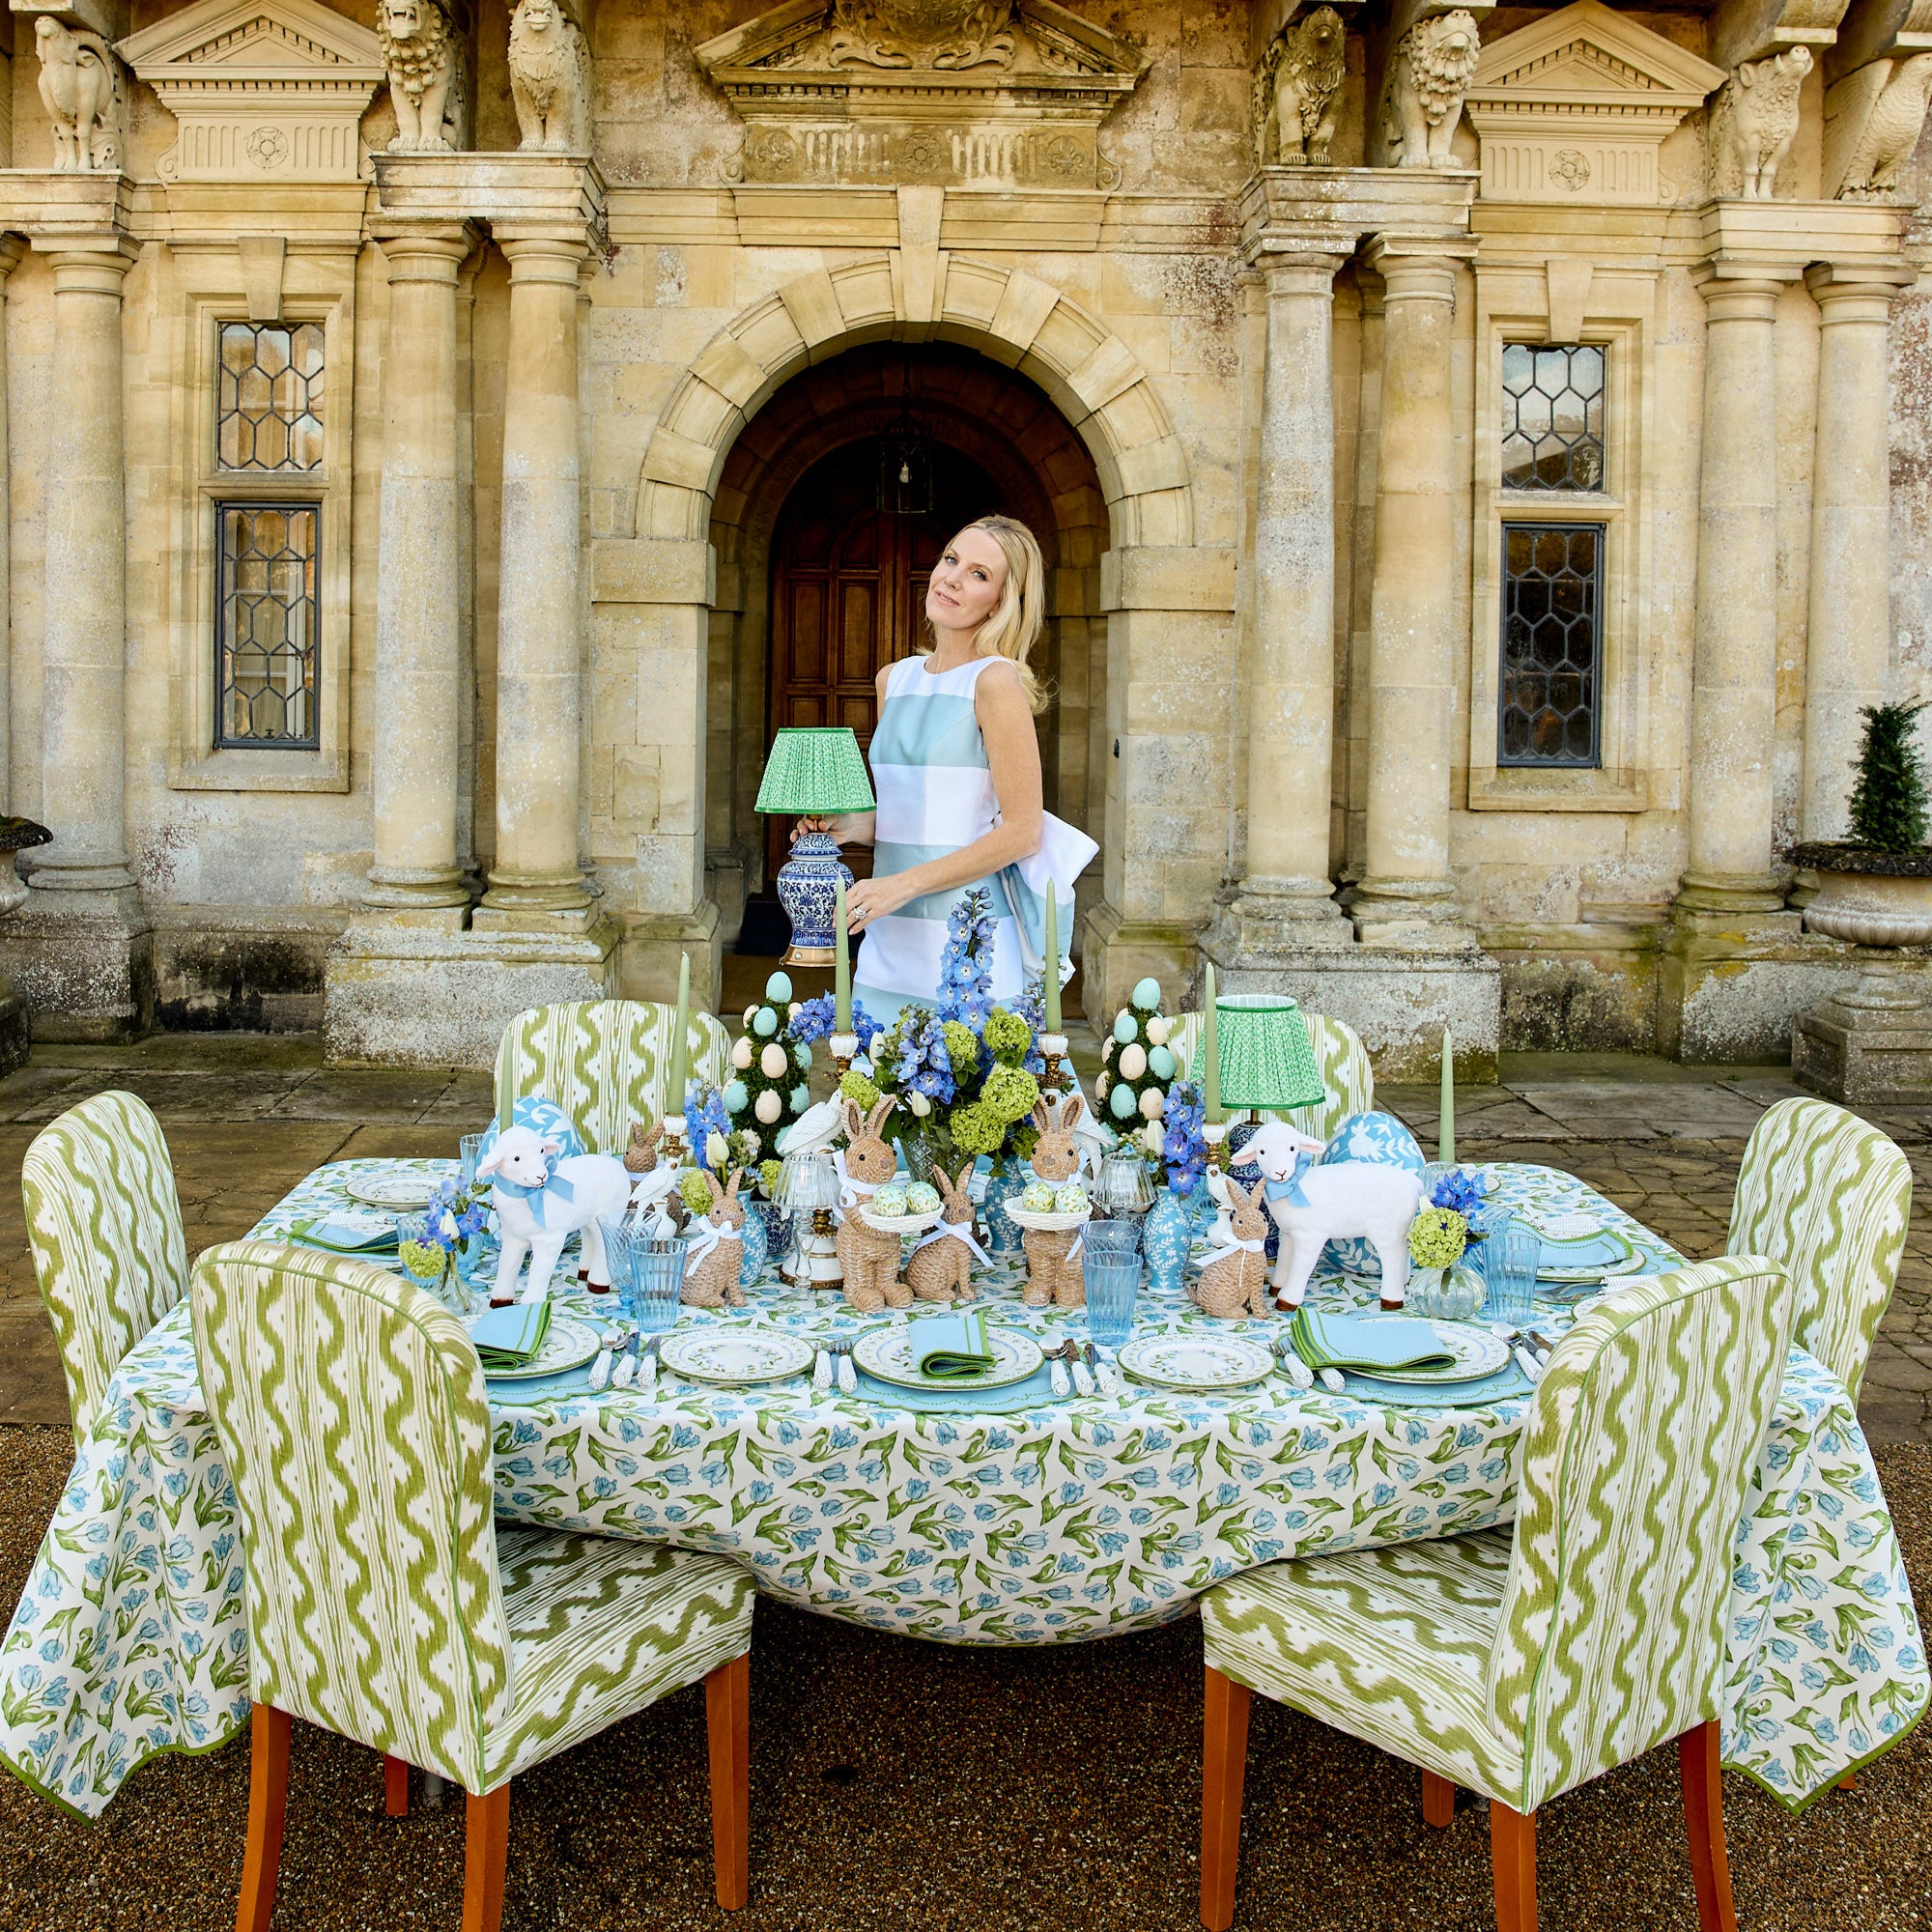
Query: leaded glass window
{"x": 268, "y": 623}
{"x": 1552, "y": 418}
{"x": 1551, "y": 644}
{"x": 269, "y": 404}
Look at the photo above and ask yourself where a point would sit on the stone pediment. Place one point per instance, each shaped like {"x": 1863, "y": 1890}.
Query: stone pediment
{"x": 300, "y": 38}
{"x": 1574, "y": 107}
{"x": 999, "y": 92}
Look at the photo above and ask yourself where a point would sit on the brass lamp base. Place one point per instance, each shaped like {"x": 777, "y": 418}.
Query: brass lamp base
{"x": 808, "y": 955}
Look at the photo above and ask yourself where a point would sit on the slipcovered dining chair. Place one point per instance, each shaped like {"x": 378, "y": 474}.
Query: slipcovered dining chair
{"x": 385, "y": 1605}
{"x": 1339, "y": 1053}
{"x": 1827, "y": 1198}
{"x": 1523, "y": 1664}
{"x": 605, "y": 1062}
{"x": 104, "y": 1224}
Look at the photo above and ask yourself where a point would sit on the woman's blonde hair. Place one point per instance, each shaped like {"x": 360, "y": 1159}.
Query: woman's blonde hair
{"x": 1014, "y": 625}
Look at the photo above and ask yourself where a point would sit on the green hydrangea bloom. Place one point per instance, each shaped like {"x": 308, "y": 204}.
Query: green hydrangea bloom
{"x": 1007, "y": 1037}
{"x": 977, "y": 1129}
{"x": 1010, "y": 1093}
{"x": 768, "y": 1175}
{"x": 694, "y": 1188}
{"x": 1436, "y": 1238}
{"x": 860, "y": 1090}
{"x": 963, "y": 1048}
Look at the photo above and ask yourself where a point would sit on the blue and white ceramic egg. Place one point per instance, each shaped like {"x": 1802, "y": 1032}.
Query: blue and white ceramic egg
{"x": 1383, "y": 1141}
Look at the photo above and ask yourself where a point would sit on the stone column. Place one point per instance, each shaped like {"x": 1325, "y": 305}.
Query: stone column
{"x": 418, "y": 584}
{"x": 536, "y": 877}
{"x": 1850, "y": 618}
{"x": 1406, "y": 897}
{"x": 11, "y": 249}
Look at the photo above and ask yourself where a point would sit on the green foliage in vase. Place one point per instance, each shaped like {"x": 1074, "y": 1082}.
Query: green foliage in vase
{"x": 1888, "y": 802}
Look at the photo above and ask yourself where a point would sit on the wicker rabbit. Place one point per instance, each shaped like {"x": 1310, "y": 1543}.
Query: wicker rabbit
{"x": 1233, "y": 1282}
{"x": 641, "y": 1155}
{"x": 940, "y": 1269}
{"x": 1051, "y": 1275}
{"x": 715, "y": 1258}
{"x": 870, "y": 1259}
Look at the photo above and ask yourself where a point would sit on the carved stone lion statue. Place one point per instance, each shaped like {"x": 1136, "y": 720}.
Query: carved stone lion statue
{"x": 425, "y": 75}
{"x": 81, "y": 91}
{"x": 1294, "y": 92}
{"x": 1422, "y": 95}
{"x": 549, "y": 78}
{"x": 1753, "y": 122}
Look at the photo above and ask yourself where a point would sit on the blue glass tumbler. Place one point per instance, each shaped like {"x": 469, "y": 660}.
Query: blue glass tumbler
{"x": 1111, "y": 1261}
{"x": 1510, "y": 1255}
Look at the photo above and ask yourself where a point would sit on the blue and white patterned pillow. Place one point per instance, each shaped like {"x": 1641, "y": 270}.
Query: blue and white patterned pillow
{"x": 545, "y": 1118}
{"x": 1383, "y": 1140}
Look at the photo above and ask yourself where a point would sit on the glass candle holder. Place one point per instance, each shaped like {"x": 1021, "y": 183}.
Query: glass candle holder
{"x": 470, "y": 1151}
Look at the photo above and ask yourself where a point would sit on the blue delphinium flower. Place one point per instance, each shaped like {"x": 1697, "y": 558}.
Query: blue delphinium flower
{"x": 1459, "y": 1192}
{"x": 817, "y": 1019}
{"x": 965, "y": 990}
{"x": 704, "y": 1115}
{"x": 1185, "y": 1151}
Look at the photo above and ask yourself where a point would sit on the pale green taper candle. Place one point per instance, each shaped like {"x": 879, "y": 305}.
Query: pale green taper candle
{"x": 1050, "y": 987}
{"x": 1446, "y": 1128}
{"x": 1211, "y": 1054}
{"x": 674, "y": 1094}
{"x": 842, "y": 970}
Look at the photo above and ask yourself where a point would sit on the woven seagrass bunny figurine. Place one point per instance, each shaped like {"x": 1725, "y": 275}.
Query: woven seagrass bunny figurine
{"x": 716, "y": 1251}
{"x": 1051, "y": 1275}
{"x": 1232, "y": 1282}
{"x": 870, "y": 1257}
{"x": 941, "y": 1268}
{"x": 641, "y": 1155}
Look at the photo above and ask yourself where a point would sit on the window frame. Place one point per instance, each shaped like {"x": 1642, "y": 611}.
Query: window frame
{"x": 1595, "y": 761}
{"x": 223, "y": 645}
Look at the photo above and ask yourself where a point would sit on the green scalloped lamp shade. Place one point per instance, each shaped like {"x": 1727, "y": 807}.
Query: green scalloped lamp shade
{"x": 815, "y": 768}
{"x": 1265, "y": 1057}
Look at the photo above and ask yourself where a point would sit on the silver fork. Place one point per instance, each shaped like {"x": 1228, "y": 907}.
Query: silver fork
{"x": 1297, "y": 1370}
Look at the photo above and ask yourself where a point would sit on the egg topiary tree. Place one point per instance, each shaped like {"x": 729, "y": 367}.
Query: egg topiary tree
{"x": 766, "y": 1090}
{"x": 1137, "y": 1066}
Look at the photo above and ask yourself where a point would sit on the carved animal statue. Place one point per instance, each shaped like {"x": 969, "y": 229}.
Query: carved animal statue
{"x": 1233, "y": 1281}
{"x": 1054, "y": 1273}
{"x": 1310, "y": 1204}
{"x": 941, "y": 1268}
{"x": 425, "y": 83}
{"x": 1422, "y": 96}
{"x": 540, "y": 1201}
{"x": 1753, "y": 122}
{"x": 549, "y": 78}
{"x": 1892, "y": 125}
{"x": 1295, "y": 89}
{"x": 869, "y": 1257}
{"x": 713, "y": 1260}
{"x": 77, "y": 89}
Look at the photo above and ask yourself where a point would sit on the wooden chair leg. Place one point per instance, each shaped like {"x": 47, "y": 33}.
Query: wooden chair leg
{"x": 1849, "y": 1782}
{"x": 486, "y": 1853}
{"x": 727, "y": 1716}
{"x": 1513, "y": 1855}
{"x": 267, "y": 1807}
{"x": 395, "y": 1786}
{"x": 1438, "y": 1801}
{"x": 1702, "y": 1773}
{"x": 1224, "y": 1765}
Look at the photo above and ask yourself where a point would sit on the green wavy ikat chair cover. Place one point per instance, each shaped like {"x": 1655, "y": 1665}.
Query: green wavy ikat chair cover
{"x": 1340, "y": 1055}
{"x": 1827, "y": 1198}
{"x": 105, "y": 1226}
{"x": 604, "y": 1061}
{"x": 1525, "y": 1664}
{"x": 383, "y": 1602}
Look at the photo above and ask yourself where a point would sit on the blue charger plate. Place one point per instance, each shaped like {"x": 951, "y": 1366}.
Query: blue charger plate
{"x": 1502, "y": 1387}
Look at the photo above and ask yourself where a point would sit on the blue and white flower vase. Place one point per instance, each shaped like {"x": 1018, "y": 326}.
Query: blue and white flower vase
{"x": 1003, "y": 1185}
{"x": 757, "y": 1242}
{"x": 1168, "y": 1234}
{"x": 808, "y": 888}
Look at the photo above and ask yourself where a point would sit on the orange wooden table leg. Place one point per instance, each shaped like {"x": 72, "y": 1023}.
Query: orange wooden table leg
{"x": 1224, "y": 1765}
{"x": 1702, "y": 1773}
{"x": 1438, "y": 1801}
{"x": 395, "y": 1786}
{"x": 1513, "y": 1853}
{"x": 486, "y": 1852}
{"x": 267, "y": 1807}
{"x": 727, "y": 1716}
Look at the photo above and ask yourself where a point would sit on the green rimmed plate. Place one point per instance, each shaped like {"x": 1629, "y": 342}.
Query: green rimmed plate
{"x": 397, "y": 1190}
{"x": 886, "y": 1355}
{"x": 1202, "y": 1364}
{"x": 736, "y": 1355}
{"x": 569, "y": 1344}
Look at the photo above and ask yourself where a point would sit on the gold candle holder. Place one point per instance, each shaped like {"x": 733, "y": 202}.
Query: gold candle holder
{"x": 1053, "y": 1050}
{"x": 674, "y": 1149}
{"x": 1214, "y": 1134}
{"x": 844, "y": 1049}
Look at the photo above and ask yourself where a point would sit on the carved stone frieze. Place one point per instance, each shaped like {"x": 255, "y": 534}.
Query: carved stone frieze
{"x": 549, "y": 78}
{"x": 1753, "y": 122}
{"x": 80, "y": 88}
{"x": 1294, "y": 92}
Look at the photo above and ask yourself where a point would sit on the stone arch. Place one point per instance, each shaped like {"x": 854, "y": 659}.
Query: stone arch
{"x": 1089, "y": 374}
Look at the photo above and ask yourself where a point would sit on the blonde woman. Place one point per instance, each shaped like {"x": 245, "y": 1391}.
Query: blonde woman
{"x": 955, "y": 768}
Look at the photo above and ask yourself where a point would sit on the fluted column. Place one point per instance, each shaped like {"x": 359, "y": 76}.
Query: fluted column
{"x": 1850, "y": 619}
{"x": 12, "y": 251}
{"x": 418, "y": 587}
{"x": 1406, "y": 893}
{"x": 538, "y": 650}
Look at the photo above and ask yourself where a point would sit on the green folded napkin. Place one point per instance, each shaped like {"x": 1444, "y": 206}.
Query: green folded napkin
{"x": 1377, "y": 1342}
{"x": 508, "y": 1338}
{"x": 949, "y": 1345}
{"x": 360, "y": 1236}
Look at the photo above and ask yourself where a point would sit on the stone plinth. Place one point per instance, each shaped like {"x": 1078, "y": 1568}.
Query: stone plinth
{"x": 1871, "y": 1045}
{"x": 83, "y": 963}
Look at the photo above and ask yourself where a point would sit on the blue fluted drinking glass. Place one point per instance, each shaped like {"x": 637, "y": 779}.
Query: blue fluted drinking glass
{"x": 1111, "y": 1260}
{"x": 1510, "y": 1255}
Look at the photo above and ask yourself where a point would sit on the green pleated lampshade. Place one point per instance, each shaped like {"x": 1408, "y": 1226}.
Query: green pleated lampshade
{"x": 1265, "y": 1057}
{"x": 815, "y": 768}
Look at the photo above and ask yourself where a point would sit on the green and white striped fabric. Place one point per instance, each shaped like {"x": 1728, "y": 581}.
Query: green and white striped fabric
{"x": 1522, "y": 1666}
{"x": 1827, "y": 1198}
{"x": 1346, "y": 1074}
{"x": 605, "y": 1062}
{"x": 351, "y": 1412}
{"x": 105, "y": 1227}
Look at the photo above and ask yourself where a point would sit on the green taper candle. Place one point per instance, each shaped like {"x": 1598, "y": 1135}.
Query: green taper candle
{"x": 842, "y": 970}
{"x": 1445, "y": 1130}
{"x": 674, "y": 1094}
{"x": 1211, "y": 1054}
{"x": 1050, "y": 988}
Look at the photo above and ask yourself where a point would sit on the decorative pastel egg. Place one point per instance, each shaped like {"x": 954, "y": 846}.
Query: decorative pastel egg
{"x": 1071, "y": 1198}
{"x": 764, "y": 1023}
{"x": 1120, "y": 1103}
{"x": 921, "y": 1197}
{"x": 775, "y": 1062}
{"x": 1158, "y": 1028}
{"x": 802, "y": 1054}
{"x": 1101, "y": 1082}
{"x": 1133, "y": 1060}
{"x": 888, "y": 1203}
{"x": 1153, "y": 1104}
{"x": 1107, "y": 1051}
{"x": 1126, "y": 1027}
{"x": 1160, "y": 1064}
{"x": 1038, "y": 1197}
{"x": 741, "y": 1054}
{"x": 768, "y": 1106}
{"x": 1147, "y": 994}
{"x": 749, "y": 1013}
{"x": 800, "y": 1099}
{"x": 735, "y": 1096}
{"x": 778, "y": 989}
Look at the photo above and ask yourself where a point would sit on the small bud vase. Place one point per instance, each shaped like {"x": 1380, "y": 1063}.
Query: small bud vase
{"x": 1445, "y": 1294}
{"x": 1003, "y": 1185}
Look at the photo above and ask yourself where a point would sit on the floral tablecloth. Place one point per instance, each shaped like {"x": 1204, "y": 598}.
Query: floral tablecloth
{"x": 1075, "y": 1520}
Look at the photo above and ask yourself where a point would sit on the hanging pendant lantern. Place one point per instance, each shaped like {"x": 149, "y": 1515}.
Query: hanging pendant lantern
{"x": 905, "y": 461}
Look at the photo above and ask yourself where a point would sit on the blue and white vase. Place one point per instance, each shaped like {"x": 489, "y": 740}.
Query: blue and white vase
{"x": 808, "y": 888}
{"x": 1168, "y": 1234}
{"x": 757, "y": 1242}
{"x": 1003, "y": 1184}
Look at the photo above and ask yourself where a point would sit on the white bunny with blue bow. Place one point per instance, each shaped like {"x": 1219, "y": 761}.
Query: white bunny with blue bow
{"x": 542, "y": 1197}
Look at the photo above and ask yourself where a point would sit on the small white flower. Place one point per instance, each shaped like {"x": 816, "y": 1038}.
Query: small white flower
{"x": 920, "y": 1105}
{"x": 715, "y": 1150}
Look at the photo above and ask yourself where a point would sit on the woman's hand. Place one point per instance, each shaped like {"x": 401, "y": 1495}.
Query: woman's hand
{"x": 849, "y": 828}
{"x": 867, "y": 900}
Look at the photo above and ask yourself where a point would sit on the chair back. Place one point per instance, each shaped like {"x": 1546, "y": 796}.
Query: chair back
{"x": 1636, "y": 1452}
{"x": 1827, "y": 1198}
{"x": 351, "y": 1409}
{"x": 1346, "y": 1074}
{"x": 104, "y": 1224}
{"x": 605, "y": 1062}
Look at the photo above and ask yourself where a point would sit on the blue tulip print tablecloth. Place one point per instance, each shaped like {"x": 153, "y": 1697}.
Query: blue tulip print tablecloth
{"x": 1078, "y": 1518}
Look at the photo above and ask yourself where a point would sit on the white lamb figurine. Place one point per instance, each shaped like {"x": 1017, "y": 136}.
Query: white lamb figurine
{"x": 541, "y": 1201}
{"x": 1310, "y": 1205}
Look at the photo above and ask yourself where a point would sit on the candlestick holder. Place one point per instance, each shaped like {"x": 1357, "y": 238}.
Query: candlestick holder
{"x": 1053, "y": 1050}
{"x": 844, "y": 1049}
{"x": 1214, "y": 1137}
{"x": 673, "y": 1149}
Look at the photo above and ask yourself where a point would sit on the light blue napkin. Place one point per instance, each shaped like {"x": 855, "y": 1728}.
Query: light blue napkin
{"x": 506, "y": 1338}
{"x": 946, "y": 1346}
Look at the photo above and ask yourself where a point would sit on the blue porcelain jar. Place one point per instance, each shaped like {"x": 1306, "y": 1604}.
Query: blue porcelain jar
{"x": 1168, "y": 1234}
{"x": 757, "y": 1242}
{"x": 1003, "y": 1185}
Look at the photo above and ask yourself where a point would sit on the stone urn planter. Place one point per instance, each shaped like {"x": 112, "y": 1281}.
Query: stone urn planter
{"x": 1870, "y": 898}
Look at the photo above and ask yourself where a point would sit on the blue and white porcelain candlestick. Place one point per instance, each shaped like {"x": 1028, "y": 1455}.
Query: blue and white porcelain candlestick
{"x": 808, "y": 887}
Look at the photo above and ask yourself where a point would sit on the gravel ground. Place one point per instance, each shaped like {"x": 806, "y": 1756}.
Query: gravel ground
{"x": 892, "y": 1779}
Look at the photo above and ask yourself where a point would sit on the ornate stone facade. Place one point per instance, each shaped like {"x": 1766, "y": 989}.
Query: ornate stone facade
{"x": 1482, "y": 461}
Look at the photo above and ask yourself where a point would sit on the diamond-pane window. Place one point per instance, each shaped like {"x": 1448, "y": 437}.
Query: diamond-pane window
{"x": 1552, "y": 643}
{"x": 267, "y": 622}
{"x": 269, "y": 404}
{"x": 1552, "y": 418}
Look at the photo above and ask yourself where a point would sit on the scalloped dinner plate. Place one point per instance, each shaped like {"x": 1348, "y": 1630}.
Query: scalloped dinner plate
{"x": 886, "y": 1354}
